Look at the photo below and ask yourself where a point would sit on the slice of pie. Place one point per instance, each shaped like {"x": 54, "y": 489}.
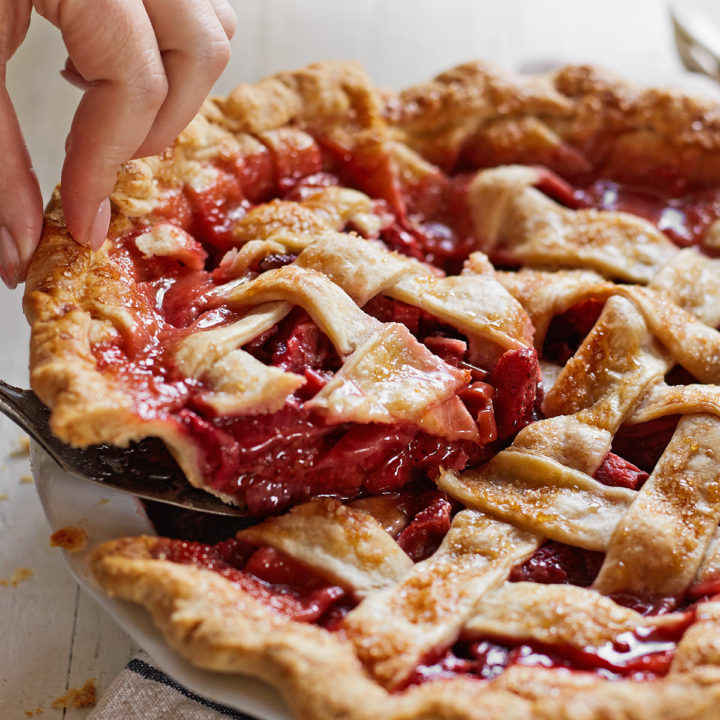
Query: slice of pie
{"x": 458, "y": 346}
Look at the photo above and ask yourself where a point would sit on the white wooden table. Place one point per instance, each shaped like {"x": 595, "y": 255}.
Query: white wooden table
{"x": 51, "y": 635}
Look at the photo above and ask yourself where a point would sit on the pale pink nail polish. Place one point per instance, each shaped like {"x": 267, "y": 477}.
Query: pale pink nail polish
{"x": 97, "y": 232}
{"x": 9, "y": 259}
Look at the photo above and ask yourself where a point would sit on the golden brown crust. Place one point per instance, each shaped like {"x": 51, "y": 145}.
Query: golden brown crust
{"x": 61, "y": 363}
{"x": 577, "y": 121}
{"x": 321, "y": 679}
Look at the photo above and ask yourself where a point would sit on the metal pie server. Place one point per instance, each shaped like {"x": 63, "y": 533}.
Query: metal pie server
{"x": 145, "y": 469}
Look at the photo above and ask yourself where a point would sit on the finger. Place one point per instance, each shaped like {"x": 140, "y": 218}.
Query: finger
{"x": 195, "y": 50}
{"x": 21, "y": 204}
{"x": 20, "y": 199}
{"x": 112, "y": 46}
{"x": 71, "y": 74}
{"x": 226, "y": 16}
{"x": 14, "y": 22}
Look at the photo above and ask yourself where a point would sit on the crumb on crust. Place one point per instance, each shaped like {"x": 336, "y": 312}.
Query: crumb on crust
{"x": 70, "y": 538}
{"x": 19, "y": 574}
{"x": 86, "y": 696}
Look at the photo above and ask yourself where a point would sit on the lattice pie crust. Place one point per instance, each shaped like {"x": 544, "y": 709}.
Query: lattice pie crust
{"x": 660, "y": 309}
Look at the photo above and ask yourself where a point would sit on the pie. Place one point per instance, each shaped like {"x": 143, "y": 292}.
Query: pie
{"x": 455, "y": 350}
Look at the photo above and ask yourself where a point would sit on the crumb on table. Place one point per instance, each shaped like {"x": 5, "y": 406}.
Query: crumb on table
{"x": 26, "y": 479}
{"x": 70, "y": 538}
{"x": 17, "y": 577}
{"x": 86, "y": 696}
{"x": 37, "y": 711}
{"x": 3, "y": 497}
{"x": 23, "y": 448}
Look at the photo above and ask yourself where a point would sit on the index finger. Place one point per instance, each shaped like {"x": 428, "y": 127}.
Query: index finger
{"x": 113, "y": 47}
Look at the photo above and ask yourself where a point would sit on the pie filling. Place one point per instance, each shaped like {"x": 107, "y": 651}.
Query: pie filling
{"x": 639, "y": 655}
{"x": 299, "y": 592}
{"x": 271, "y": 461}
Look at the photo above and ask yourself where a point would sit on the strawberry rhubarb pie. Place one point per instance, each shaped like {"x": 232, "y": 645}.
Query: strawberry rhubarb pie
{"x": 455, "y": 351}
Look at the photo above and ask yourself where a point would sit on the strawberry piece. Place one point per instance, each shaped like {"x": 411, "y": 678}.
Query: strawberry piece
{"x": 557, "y": 563}
{"x": 294, "y": 155}
{"x": 305, "y": 346}
{"x": 515, "y": 379}
{"x": 616, "y": 472}
{"x": 569, "y": 329}
{"x": 184, "y": 300}
{"x": 423, "y": 535}
{"x": 643, "y": 444}
{"x": 451, "y": 350}
{"x": 216, "y": 210}
{"x": 255, "y": 172}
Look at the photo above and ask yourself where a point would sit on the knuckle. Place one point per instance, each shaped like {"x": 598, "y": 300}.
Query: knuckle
{"x": 215, "y": 55}
{"x": 153, "y": 87}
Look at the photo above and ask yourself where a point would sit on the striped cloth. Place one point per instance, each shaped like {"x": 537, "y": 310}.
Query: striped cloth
{"x": 142, "y": 692}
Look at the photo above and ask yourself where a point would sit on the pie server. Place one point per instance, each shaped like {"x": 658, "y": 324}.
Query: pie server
{"x": 145, "y": 469}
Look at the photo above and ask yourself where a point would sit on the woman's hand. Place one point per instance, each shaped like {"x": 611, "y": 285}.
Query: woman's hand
{"x": 145, "y": 66}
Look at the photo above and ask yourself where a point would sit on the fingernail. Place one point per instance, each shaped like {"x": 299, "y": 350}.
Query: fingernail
{"x": 97, "y": 232}
{"x": 9, "y": 259}
{"x": 75, "y": 79}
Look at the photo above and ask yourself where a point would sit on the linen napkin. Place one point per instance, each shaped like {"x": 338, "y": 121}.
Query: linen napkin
{"x": 142, "y": 692}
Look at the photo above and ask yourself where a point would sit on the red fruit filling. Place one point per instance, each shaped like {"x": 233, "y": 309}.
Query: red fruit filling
{"x": 516, "y": 401}
{"x": 567, "y": 330}
{"x": 272, "y": 461}
{"x": 685, "y": 216}
{"x": 422, "y": 537}
{"x": 557, "y": 563}
{"x": 643, "y": 654}
{"x": 644, "y": 443}
{"x": 617, "y": 472}
{"x": 278, "y": 581}
{"x": 685, "y": 220}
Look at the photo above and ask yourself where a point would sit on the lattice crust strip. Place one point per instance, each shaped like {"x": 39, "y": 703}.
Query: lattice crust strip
{"x": 616, "y": 376}
{"x": 675, "y": 514}
{"x": 509, "y": 212}
{"x": 432, "y": 603}
{"x": 474, "y": 303}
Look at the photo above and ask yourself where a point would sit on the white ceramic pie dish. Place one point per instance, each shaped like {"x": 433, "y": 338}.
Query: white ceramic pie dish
{"x": 107, "y": 514}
